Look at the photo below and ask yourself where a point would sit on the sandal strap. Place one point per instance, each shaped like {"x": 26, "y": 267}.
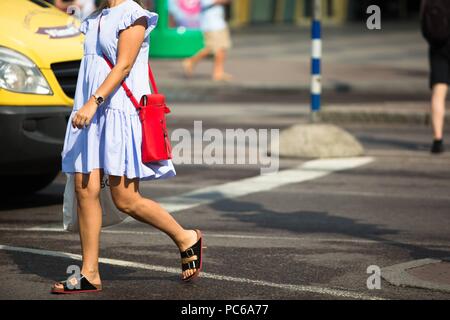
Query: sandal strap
{"x": 192, "y": 251}
{"x": 194, "y": 264}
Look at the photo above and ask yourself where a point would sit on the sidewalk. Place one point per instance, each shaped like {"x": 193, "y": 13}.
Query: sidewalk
{"x": 393, "y": 60}
{"x": 367, "y": 75}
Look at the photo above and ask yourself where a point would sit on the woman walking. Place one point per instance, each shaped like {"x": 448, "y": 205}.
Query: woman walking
{"x": 104, "y": 137}
{"x": 435, "y": 23}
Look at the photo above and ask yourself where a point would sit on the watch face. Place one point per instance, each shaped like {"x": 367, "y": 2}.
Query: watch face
{"x": 100, "y": 100}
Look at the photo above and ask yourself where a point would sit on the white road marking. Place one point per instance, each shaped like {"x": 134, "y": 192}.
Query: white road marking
{"x": 246, "y": 236}
{"x": 129, "y": 264}
{"x": 307, "y": 171}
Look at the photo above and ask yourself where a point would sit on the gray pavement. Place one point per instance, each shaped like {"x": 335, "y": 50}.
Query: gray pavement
{"x": 368, "y": 76}
{"x": 311, "y": 239}
{"x": 276, "y": 60}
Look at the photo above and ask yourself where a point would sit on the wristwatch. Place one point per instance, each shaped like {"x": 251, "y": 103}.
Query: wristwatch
{"x": 98, "y": 99}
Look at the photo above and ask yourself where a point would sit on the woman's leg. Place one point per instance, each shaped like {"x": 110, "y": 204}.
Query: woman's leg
{"x": 125, "y": 194}
{"x": 219, "y": 66}
{"x": 439, "y": 93}
{"x": 189, "y": 64}
{"x": 87, "y": 190}
{"x": 219, "y": 63}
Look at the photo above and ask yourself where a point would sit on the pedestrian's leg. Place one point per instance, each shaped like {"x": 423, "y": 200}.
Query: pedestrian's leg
{"x": 219, "y": 66}
{"x": 190, "y": 63}
{"x": 439, "y": 93}
{"x": 125, "y": 194}
{"x": 87, "y": 189}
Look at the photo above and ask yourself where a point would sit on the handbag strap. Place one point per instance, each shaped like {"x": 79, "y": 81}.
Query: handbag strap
{"x": 124, "y": 85}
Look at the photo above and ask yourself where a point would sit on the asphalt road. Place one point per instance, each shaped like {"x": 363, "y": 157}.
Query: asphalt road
{"x": 311, "y": 239}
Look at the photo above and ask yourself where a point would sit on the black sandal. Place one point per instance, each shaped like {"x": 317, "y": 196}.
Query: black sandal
{"x": 84, "y": 286}
{"x": 195, "y": 250}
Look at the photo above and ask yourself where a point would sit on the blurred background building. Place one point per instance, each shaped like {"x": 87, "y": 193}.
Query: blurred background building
{"x": 298, "y": 12}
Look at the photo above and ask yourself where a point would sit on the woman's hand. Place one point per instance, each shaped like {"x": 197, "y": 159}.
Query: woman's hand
{"x": 84, "y": 115}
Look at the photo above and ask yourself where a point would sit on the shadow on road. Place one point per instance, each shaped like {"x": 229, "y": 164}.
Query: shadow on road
{"x": 308, "y": 222}
{"x": 391, "y": 143}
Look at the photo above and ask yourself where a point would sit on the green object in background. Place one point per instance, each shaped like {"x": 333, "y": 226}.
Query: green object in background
{"x": 262, "y": 11}
{"x": 289, "y": 11}
{"x": 167, "y": 42}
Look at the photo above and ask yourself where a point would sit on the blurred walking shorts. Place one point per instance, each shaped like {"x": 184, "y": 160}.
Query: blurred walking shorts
{"x": 215, "y": 40}
{"x": 439, "y": 65}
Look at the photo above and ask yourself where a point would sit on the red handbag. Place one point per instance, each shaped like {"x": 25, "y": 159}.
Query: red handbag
{"x": 152, "y": 113}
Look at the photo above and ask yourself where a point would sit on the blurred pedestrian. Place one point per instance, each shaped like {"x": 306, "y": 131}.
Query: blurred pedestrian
{"x": 435, "y": 23}
{"x": 216, "y": 36}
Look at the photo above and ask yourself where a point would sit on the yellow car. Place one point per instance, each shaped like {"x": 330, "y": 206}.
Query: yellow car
{"x": 40, "y": 54}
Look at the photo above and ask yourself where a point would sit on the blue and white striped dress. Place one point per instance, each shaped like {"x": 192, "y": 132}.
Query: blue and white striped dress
{"x": 112, "y": 141}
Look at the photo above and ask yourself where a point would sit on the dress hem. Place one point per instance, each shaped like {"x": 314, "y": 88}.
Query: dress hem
{"x": 169, "y": 174}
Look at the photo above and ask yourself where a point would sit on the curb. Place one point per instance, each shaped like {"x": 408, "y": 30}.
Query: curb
{"x": 377, "y": 117}
{"x": 384, "y": 117}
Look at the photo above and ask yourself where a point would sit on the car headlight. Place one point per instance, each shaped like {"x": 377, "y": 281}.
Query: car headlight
{"x": 20, "y": 74}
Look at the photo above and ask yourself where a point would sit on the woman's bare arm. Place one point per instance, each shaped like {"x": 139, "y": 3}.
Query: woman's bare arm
{"x": 129, "y": 44}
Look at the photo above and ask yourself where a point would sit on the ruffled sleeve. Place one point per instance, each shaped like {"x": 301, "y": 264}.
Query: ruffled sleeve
{"x": 130, "y": 17}
{"x": 84, "y": 26}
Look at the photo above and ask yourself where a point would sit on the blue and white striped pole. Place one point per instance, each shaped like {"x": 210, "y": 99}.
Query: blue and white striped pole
{"x": 316, "y": 55}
